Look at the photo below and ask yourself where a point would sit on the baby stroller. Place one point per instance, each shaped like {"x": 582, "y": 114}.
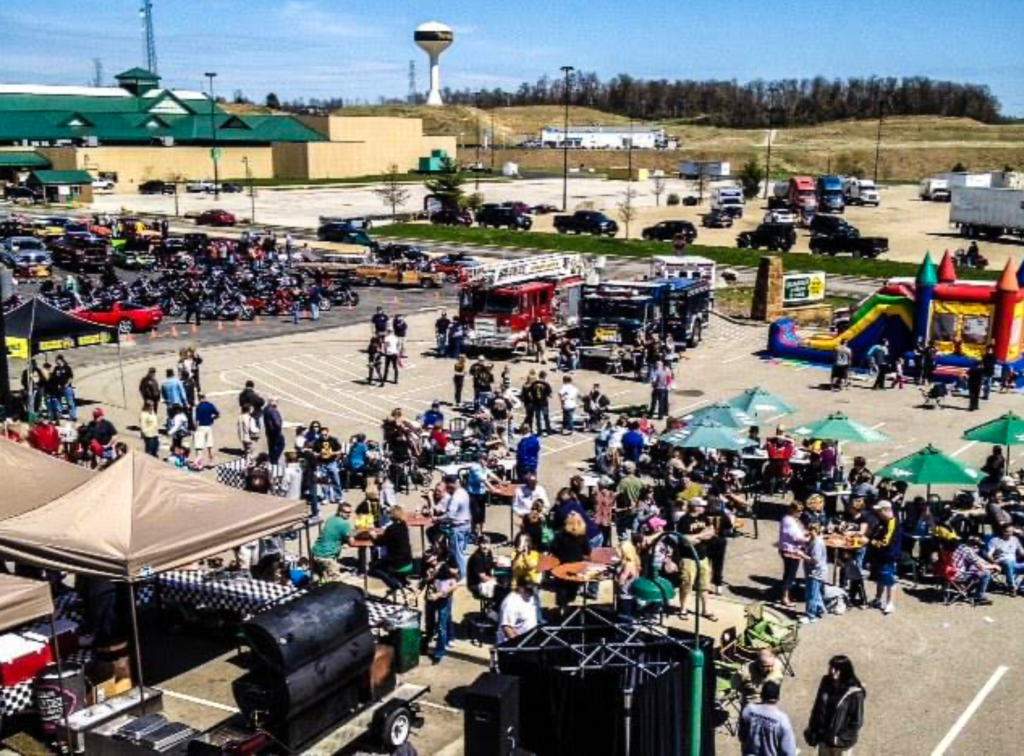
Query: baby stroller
{"x": 934, "y": 394}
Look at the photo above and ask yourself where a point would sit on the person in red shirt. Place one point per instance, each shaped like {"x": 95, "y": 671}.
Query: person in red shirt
{"x": 439, "y": 438}
{"x": 45, "y": 437}
{"x": 780, "y": 451}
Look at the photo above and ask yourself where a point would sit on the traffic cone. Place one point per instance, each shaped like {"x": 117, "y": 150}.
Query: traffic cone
{"x": 193, "y": 328}
{"x": 259, "y": 320}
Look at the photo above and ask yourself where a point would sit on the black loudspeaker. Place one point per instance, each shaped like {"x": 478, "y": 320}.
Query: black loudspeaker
{"x": 492, "y": 715}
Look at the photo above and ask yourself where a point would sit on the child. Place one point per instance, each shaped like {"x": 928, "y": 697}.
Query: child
{"x": 899, "y": 378}
{"x": 853, "y": 578}
{"x": 815, "y": 573}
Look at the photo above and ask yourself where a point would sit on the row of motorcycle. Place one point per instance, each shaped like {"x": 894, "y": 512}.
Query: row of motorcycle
{"x": 219, "y": 293}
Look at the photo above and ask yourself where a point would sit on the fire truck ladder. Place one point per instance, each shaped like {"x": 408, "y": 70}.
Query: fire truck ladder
{"x": 508, "y": 272}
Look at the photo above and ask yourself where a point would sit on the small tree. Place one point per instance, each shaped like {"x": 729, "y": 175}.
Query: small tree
{"x": 750, "y": 178}
{"x": 392, "y": 192}
{"x": 273, "y": 101}
{"x": 673, "y": 199}
{"x": 659, "y": 189}
{"x": 446, "y": 184}
{"x": 627, "y": 208}
{"x": 473, "y": 201}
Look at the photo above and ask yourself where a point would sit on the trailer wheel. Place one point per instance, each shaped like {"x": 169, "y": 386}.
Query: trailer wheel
{"x": 394, "y": 724}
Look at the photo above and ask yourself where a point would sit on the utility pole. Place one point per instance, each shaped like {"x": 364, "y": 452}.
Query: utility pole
{"x": 493, "y": 108}
{"x": 252, "y": 191}
{"x": 6, "y": 290}
{"x": 476, "y": 168}
{"x": 629, "y": 169}
{"x": 768, "y": 161}
{"x": 565, "y": 141}
{"x": 878, "y": 137}
{"x": 411, "y": 96}
{"x": 215, "y": 151}
{"x": 146, "y": 11}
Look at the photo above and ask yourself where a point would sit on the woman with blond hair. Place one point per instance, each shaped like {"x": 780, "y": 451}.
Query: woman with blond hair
{"x": 571, "y": 544}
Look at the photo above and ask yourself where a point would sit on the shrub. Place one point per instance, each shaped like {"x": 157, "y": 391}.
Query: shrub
{"x": 672, "y": 199}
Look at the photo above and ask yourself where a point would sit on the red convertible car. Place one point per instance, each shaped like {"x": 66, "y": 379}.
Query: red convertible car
{"x": 216, "y": 218}
{"x": 124, "y": 316}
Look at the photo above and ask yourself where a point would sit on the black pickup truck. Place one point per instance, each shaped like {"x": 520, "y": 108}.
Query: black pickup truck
{"x": 773, "y": 236}
{"x": 843, "y": 238}
{"x": 586, "y": 222}
{"x": 81, "y": 252}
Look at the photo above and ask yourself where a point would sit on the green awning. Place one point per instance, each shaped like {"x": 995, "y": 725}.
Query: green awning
{"x": 23, "y": 160}
{"x": 55, "y": 178}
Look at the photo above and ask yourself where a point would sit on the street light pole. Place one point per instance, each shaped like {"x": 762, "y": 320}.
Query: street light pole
{"x": 768, "y": 160}
{"x": 565, "y": 141}
{"x": 252, "y": 191}
{"x": 476, "y": 168}
{"x": 213, "y": 130}
{"x": 493, "y": 108}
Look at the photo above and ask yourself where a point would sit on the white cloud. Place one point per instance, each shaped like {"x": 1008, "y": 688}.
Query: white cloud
{"x": 312, "y": 18}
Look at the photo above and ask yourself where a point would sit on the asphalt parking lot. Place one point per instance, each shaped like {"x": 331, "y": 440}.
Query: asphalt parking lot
{"x": 924, "y": 666}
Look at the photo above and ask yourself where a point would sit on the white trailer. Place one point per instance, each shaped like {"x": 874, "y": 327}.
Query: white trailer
{"x": 713, "y": 169}
{"x": 684, "y": 266}
{"x": 729, "y": 199}
{"x": 861, "y": 192}
{"x": 990, "y": 213}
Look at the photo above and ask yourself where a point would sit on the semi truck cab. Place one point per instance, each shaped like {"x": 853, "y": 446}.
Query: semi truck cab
{"x": 830, "y": 194}
{"x": 802, "y": 195}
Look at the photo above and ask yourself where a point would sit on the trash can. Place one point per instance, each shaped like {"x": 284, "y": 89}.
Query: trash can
{"x": 55, "y": 694}
{"x": 405, "y": 636}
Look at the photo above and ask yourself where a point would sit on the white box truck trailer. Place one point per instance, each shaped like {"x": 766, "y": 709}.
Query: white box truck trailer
{"x": 861, "y": 192}
{"x": 728, "y": 199}
{"x": 934, "y": 190}
{"x": 988, "y": 213}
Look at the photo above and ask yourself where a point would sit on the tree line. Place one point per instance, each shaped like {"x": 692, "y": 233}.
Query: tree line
{"x": 788, "y": 102}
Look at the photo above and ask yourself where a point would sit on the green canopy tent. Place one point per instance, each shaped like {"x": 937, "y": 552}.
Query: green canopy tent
{"x": 838, "y": 427}
{"x": 704, "y": 434}
{"x": 723, "y": 414}
{"x": 1006, "y": 430}
{"x": 759, "y": 403}
{"x": 930, "y": 467}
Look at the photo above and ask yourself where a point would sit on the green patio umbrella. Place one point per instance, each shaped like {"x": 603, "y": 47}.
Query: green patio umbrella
{"x": 838, "y": 427}
{"x": 758, "y": 403}
{"x": 704, "y": 434}
{"x": 930, "y": 467}
{"x": 723, "y": 414}
{"x": 1006, "y": 430}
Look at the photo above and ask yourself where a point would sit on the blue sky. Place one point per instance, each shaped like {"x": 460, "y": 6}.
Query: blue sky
{"x": 362, "y": 49}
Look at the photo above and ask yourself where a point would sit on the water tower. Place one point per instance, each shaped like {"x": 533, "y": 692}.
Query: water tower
{"x": 434, "y": 38}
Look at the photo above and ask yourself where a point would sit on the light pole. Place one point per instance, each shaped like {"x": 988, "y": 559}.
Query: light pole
{"x": 477, "y": 167}
{"x": 878, "y": 136}
{"x": 565, "y": 141}
{"x": 493, "y": 108}
{"x": 252, "y": 191}
{"x": 214, "y": 152}
{"x": 768, "y": 161}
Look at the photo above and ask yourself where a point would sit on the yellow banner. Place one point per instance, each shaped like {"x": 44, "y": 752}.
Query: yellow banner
{"x": 17, "y": 348}
{"x": 54, "y": 345}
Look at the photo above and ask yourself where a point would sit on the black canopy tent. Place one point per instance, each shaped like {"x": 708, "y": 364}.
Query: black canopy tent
{"x": 35, "y": 327}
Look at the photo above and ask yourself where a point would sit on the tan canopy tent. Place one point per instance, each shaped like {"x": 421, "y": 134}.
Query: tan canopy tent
{"x": 23, "y": 600}
{"x": 30, "y": 479}
{"x": 141, "y": 517}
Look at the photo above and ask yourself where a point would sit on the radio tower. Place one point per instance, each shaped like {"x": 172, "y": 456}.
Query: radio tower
{"x": 411, "y": 97}
{"x": 146, "y": 12}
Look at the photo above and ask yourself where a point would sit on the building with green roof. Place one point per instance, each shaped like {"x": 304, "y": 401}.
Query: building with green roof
{"x": 138, "y": 131}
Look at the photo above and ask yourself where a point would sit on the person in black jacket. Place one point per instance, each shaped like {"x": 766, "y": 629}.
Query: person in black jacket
{"x": 838, "y": 712}
{"x": 570, "y": 545}
{"x": 397, "y": 560}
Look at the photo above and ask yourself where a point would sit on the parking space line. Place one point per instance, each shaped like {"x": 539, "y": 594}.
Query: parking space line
{"x": 300, "y": 388}
{"x": 963, "y": 448}
{"x": 970, "y": 711}
{"x": 876, "y": 426}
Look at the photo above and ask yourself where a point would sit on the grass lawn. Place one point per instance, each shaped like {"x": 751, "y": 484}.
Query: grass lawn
{"x": 727, "y": 256}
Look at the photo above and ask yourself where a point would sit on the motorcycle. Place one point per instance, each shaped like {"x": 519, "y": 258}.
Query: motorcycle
{"x": 963, "y": 258}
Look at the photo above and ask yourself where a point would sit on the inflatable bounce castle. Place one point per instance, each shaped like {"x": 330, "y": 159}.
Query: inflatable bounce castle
{"x": 962, "y": 318}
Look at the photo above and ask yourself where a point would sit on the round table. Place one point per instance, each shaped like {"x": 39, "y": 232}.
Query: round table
{"x": 363, "y": 540}
{"x": 843, "y": 542}
{"x": 507, "y": 491}
{"x": 547, "y": 563}
{"x": 421, "y": 521}
{"x": 582, "y": 573}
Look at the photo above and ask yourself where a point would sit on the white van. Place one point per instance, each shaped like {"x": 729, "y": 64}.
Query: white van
{"x": 934, "y": 190}
{"x": 728, "y": 199}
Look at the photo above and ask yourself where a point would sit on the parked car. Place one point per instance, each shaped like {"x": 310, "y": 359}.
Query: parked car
{"x": 23, "y": 194}
{"x": 544, "y": 209}
{"x": 826, "y": 224}
{"x": 773, "y": 236}
{"x": 81, "y": 252}
{"x": 14, "y": 244}
{"x": 134, "y": 255}
{"x": 343, "y": 233}
{"x": 491, "y": 216}
{"x": 781, "y": 215}
{"x": 667, "y": 231}
{"x": 199, "y": 187}
{"x": 126, "y": 317}
{"x": 103, "y": 186}
{"x": 392, "y": 253}
{"x": 690, "y": 201}
{"x": 157, "y": 187}
{"x": 449, "y": 217}
{"x": 843, "y": 238}
{"x": 27, "y": 257}
{"x": 228, "y": 188}
{"x": 454, "y": 265}
{"x": 716, "y": 219}
{"x": 397, "y": 275}
{"x": 216, "y": 218}
{"x": 586, "y": 222}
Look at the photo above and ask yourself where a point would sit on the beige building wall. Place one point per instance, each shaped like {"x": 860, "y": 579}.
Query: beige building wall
{"x": 134, "y": 165}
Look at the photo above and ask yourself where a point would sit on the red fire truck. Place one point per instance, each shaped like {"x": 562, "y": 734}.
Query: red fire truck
{"x": 499, "y": 302}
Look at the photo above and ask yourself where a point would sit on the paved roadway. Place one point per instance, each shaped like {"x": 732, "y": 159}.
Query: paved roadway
{"x": 923, "y": 666}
